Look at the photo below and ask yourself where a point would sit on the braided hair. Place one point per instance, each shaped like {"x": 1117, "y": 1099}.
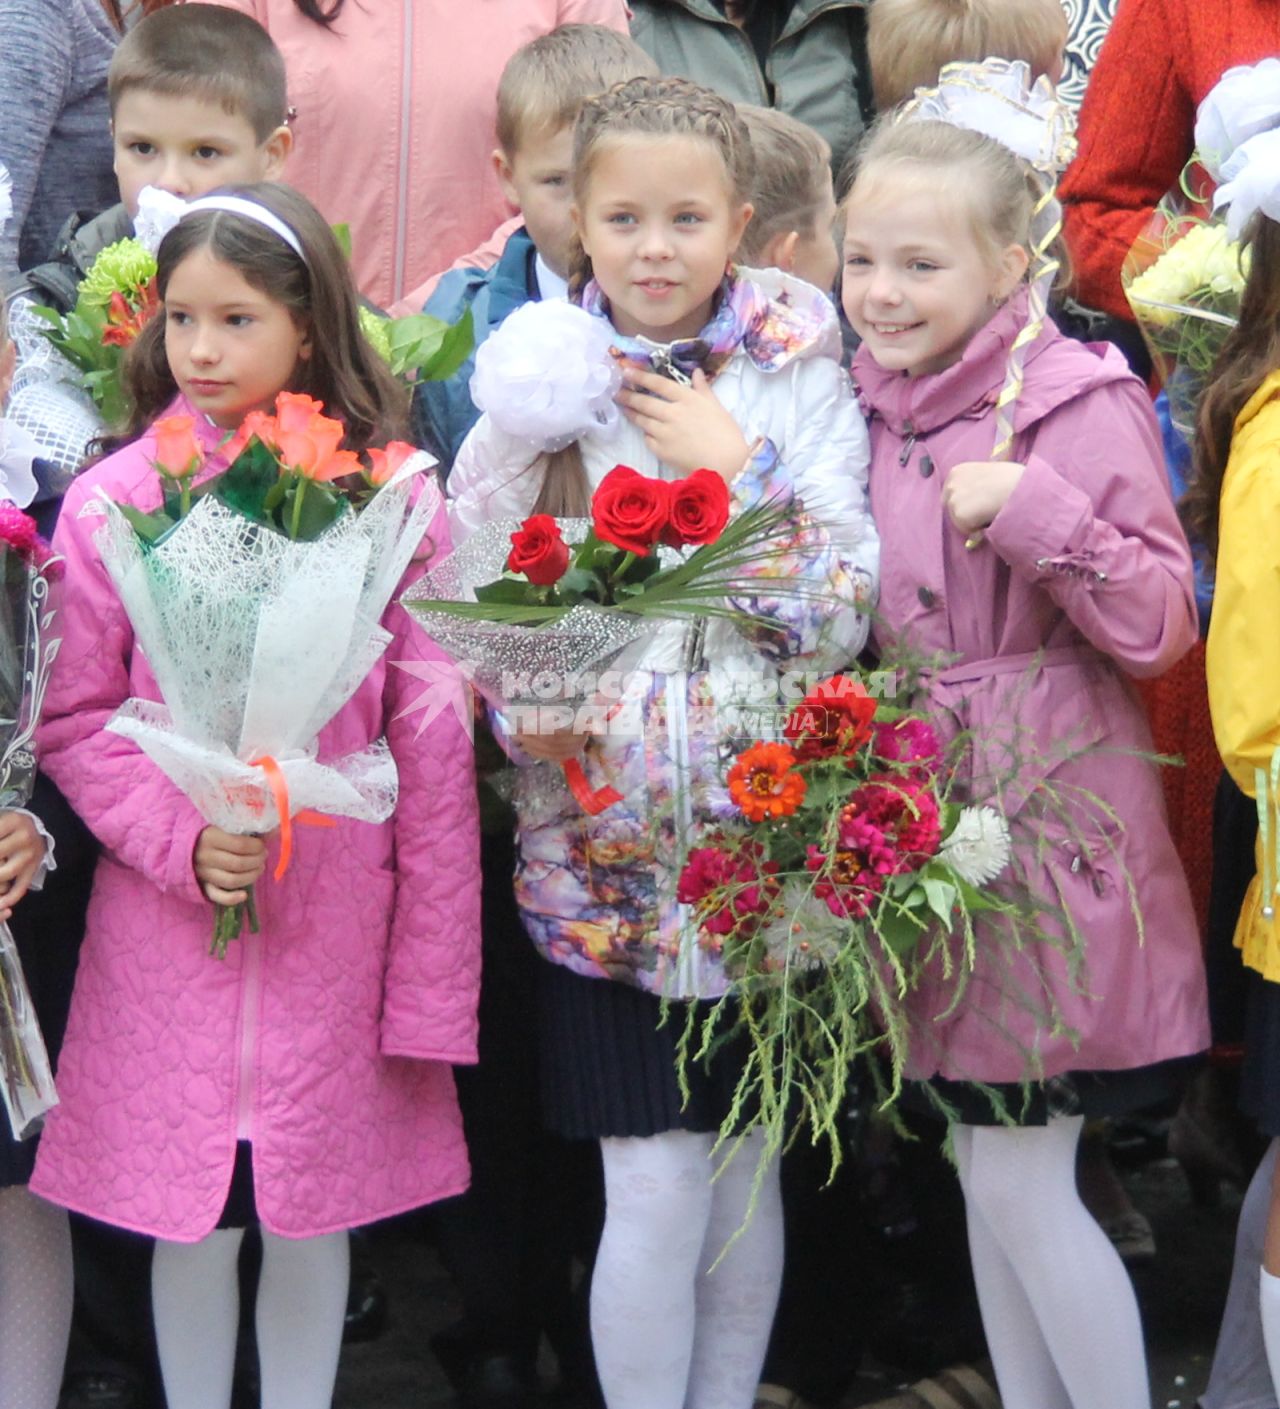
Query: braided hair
{"x": 639, "y": 107}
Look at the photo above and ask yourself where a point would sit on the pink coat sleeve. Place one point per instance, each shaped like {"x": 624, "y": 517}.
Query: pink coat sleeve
{"x": 432, "y": 983}
{"x": 142, "y": 818}
{"x": 1092, "y": 523}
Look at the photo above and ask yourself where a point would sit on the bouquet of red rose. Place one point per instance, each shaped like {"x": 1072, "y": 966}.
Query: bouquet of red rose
{"x": 545, "y": 600}
{"x": 27, "y": 653}
{"x": 269, "y": 578}
{"x": 844, "y": 867}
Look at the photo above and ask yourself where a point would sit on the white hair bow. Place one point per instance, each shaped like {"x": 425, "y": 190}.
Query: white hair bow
{"x": 6, "y": 195}
{"x": 158, "y": 212}
{"x": 1244, "y": 102}
{"x": 1250, "y": 182}
{"x": 998, "y": 99}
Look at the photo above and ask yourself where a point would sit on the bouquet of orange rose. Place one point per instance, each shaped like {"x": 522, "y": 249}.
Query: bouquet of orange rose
{"x": 843, "y": 865}
{"x": 256, "y": 593}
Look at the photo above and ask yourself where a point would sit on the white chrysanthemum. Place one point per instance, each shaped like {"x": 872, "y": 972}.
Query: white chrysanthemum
{"x": 1243, "y": 102}
{"x": 978, "y": 849}
{"x": 805, "y": 935}
{"x": 546, "y": 375}
{"x": 6, "y": 195}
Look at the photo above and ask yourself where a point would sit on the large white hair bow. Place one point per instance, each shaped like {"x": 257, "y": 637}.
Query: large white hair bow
{"x": 546, "y": 375}
{"x": 998, "y": 99}
{"x": 1250, "y": 182}
{"x": 1244, "y": 102}
{"x": 158, "y": 212}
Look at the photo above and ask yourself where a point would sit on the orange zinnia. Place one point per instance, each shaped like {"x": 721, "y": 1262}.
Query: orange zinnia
{"x": 763, "y": 782}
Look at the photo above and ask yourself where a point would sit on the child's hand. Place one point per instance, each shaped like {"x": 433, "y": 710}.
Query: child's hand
{"x": 226, "y": 865}
{"x": 976, "y": 491}
{"x": 556, "y": 747}
{"x": 684, "y": 426}
{"x": 21, "y": 852}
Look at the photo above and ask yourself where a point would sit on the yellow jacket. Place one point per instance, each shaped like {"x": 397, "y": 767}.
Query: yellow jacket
{"x": 1243, "y": 654}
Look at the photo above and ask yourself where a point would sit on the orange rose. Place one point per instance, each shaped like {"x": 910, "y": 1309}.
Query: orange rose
{"x": 255, "y": 423}
{"x": 178, "y": 452}
{"x": 309, "y": 452}
{"x": 383, "y": 463}
{"x": 294, "y": 411}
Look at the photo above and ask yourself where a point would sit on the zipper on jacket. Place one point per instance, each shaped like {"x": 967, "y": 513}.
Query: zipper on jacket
{"x": 402, "y": 171}
{"x": 250, "y": 1007}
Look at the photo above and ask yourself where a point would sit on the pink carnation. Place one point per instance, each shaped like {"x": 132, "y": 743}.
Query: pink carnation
{"x": 17, "y": 529}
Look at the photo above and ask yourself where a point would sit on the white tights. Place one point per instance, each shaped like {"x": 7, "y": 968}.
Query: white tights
{"x": 668, "y": 1332}
{"x": 35, "y": 1299}
{"x": 302, "y": 1300}
{"x": 1059, "y": 1311}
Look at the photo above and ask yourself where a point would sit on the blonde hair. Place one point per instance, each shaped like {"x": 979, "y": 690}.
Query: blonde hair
{"x": 791, "y": 182}
{"x": 1005, "y": 200}
{"x": 909, "y": 41}
{"x": 640, "y": 107}
{"x": 546, "y": 80}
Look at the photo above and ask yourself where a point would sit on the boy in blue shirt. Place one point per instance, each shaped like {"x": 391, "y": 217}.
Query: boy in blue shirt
{"x": 541, "y": 90}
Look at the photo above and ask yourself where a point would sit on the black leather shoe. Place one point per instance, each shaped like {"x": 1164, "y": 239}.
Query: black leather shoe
{"x": 496, "y": 1382}
{"x": 366, "y": 1317}
{"x": 101, "y": 1389}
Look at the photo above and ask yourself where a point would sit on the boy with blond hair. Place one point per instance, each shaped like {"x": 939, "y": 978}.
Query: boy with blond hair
{"x": 908, "y": 41}
{"x": 542, "y": 87}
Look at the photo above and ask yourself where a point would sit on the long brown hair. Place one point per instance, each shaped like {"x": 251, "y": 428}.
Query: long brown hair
{"x": 644, "y": 107}
{"x": 343, "y": 371}
{"x": 1250, "y": 353}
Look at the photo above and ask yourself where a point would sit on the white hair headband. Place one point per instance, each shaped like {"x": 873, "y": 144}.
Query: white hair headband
{"x": 159, "y": 211}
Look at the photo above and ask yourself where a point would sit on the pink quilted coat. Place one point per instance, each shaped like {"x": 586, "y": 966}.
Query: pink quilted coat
{"x": 1082, "y": 579}
{"x": 327, "y": 1039}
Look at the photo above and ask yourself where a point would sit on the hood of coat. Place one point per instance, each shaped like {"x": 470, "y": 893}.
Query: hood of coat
{"x": 801, "y": 321}
{"x": 967, "y": 390}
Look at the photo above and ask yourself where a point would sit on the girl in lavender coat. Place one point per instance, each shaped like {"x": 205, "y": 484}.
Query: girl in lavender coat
{"x": 1044, "y": 574}
{"x": 304, "y": 1083}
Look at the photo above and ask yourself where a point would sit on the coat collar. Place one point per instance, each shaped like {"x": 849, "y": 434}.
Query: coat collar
{"x": 968, "y": 389}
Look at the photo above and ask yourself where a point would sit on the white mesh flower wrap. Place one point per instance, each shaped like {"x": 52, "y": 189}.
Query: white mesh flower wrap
{"x": 256, "y": 642}
{"x": 158, "y": 212}
{"x": 546, "y": 375}
{"x": 998, "y": 99}
{"x": 1244, "y": 102}
{"x": 500, "y": 658}
{"x": 1250, "y": 182}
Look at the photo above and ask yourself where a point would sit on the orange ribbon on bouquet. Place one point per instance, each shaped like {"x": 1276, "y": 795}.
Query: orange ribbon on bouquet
{"x": 280, "y": 792}
{"x": 591, "y": 800}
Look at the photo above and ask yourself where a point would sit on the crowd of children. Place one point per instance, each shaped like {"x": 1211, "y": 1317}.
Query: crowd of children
{"x": 971, "y": 482}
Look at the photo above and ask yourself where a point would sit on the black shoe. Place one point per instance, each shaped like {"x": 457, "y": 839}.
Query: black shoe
{"x": 366, "y": 1317}
{"x": 101, "y": 1389}
{"x": 497, "y": 1382}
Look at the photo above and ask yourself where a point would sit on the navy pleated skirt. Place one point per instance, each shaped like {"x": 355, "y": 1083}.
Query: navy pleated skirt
{"x": 609, "y": 1065}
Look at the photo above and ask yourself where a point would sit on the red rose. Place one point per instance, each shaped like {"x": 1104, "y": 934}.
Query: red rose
{"x": 835, "y": 717}
{"x": 629, "y": 510}
{"x": 538, "y": 551}
{"x": 699, "y": 509}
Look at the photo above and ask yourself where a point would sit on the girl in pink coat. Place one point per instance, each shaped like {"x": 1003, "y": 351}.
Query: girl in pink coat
{"x": 304, "y": 1083}
{"x": 1043, "y": 574}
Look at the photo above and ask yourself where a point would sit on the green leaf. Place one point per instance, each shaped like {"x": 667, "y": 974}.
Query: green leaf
{"x": 577, "y": 582}
{"x": 245, "y": 486}
{"x": 900, "y": 931}
{"x": 342, "y": 233}
{"x": 941, "y": 896}
{"x": 322, "y": 505}
{"x": 974, "y": 900}
{"x": 429, "y": 348}
{"x": 513, "y": 590}
{"x": 148, "y": 527}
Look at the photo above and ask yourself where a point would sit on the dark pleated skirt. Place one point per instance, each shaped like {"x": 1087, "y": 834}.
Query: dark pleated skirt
{"x": 609, "y": 1063}
{"x": 1260, "y": 1071}
{"x": 1092, "y": 1094}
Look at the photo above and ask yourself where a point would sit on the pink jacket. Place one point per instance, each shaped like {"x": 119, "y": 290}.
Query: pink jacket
{"x": 396, "y": 106}
{"x": 327, "y": 1039}
{"x": 1086, "y": 563}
